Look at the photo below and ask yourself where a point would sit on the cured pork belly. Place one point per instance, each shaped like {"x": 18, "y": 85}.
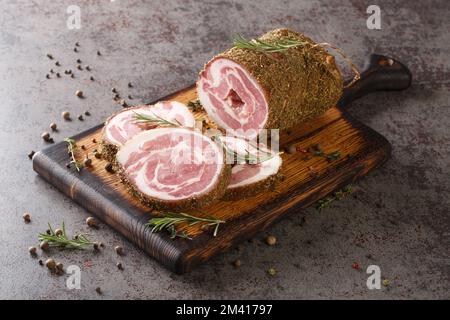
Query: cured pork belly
{"x": 245, "y": 90}
{"x": 257, "y": 168}
{"x": 123, "y": 125}
{"x": 173, "y": 168}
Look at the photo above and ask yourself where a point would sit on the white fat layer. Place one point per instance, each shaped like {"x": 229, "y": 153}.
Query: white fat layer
{"x": 120, "y": 120}
{"x": 141, "y": 181}
{"x": 267, "y": 169}
{"x": 215, "y": 70}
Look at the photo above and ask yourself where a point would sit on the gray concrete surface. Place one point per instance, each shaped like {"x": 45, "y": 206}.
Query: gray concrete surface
{"x": 398, "y": 219}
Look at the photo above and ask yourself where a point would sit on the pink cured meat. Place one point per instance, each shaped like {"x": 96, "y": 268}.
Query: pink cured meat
{"x": 248, "y": 179}
{"x": 123, "y": 125}
{"x": 174, "y": 168}
{"x": 233, "y": 98}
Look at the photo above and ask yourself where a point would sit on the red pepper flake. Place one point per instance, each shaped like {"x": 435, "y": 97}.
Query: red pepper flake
{"x": 356, "y": 266}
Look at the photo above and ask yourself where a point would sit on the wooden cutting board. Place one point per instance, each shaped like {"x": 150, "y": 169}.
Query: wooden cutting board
{"x": 307, "y": 179}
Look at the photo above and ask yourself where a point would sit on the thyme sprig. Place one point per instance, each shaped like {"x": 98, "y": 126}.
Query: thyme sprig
{"x": 169, "y": 220}
{"x": 71, "y": 146}
{"x": 155, "y": 119}
{"x": 79, "y": 241}
{"x": 247, "y": 157}
{"x": 283, "y": 45}
{"x": 338, "y": 195}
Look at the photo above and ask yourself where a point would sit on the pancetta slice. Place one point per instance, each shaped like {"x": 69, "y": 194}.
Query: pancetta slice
{"x": 123, "y": 125}
{"x": 173, "y": 168}
{"x": 247, "y": 178}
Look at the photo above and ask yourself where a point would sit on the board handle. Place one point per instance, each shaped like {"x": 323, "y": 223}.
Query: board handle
{"x": 383, "y": 74}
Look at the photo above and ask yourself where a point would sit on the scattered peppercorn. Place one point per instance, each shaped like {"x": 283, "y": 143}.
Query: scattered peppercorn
{"x": 97, "y": 154}
{"x": 113, "y": 90}
{"x": 60, "y": 266}
{"x": 41, "y": 263}
{"x": 119, "y": 266}
{"x": 53, "y": 126}
{"x": 91, "y": 222}
{"x": 75, "y": 49}
{"x": 87, "y": 162}
{"x": 65, "y": 115}
{"x": 83, "y": 147}
{"x": 32, "y": 250}
{"x": 80, "y": 117}
{"x": 31, "y": 154}
{"x": 272, "y": 272}
{"x": 49, "y": 56}
{"x": 57, "y": 63}
{"x": 72, "y": 75}
{"x": 130, "y": 85}
{"x": 26, "y": 217}
{"x": 99, "y": 53}
{"x": 119, "y": 250}
{"x": 77, "y": 44}
{"x": 123, "y": 103}
{"x": 94, "y": 140}
{"x": 237, "y": 263}
{"x": 92, "y": 78}
{"x": 58, "y": 75}
{"x": 58, "y": 232}
{"x": 109, "y": 167}
{"x": 79, "y": 93}
{"x": 98, "y": 290}
{"x": 47, "y": 76}
{"x": 130, "y": 97}
{"x": 51, "y": 264}
{"x": 290, "y": 149}
{"x": 79, "y": 67}
{"x": 87, "y": 113}
{"x": 96, "y": 246}
{"x": 271, "y": 240}
{"x": 78, "y": 60}
{"x": 87, "y": 68}
{"x": 116, "y": 96}
{"x": 356, "y": 266}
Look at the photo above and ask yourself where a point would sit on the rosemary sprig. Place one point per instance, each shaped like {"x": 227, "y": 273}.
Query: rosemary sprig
{"x": 247, "y": 157}
{"x": 285, "y": 44}
{"x": 62, "y": 240}
{"x": 71, "y": 146}
{"x": 338, "y": 195}
{"x": 157, "y": 120}
{"x": 255, "y": 44}
{"x": 318, "y": 152}
{"x": 170, "y": 220}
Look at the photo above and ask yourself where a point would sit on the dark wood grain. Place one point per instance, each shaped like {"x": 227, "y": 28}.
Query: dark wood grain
{"x": 306, "y": 180}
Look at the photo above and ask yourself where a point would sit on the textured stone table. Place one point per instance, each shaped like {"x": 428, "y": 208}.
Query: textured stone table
{"x": 398, "y": 218}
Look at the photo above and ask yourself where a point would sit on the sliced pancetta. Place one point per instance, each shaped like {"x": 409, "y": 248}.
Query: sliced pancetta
{"x": 123, "y": 125}
{"x": 173, "y": 168}
{"x": 257, "y": 168}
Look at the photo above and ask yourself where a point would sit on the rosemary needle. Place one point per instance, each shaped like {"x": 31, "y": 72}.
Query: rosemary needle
{"x": 62, "y": 240}
{"x": 155, "y": 119}
{"x": 169, "y": 220}
{"x": 71, "y": 146}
